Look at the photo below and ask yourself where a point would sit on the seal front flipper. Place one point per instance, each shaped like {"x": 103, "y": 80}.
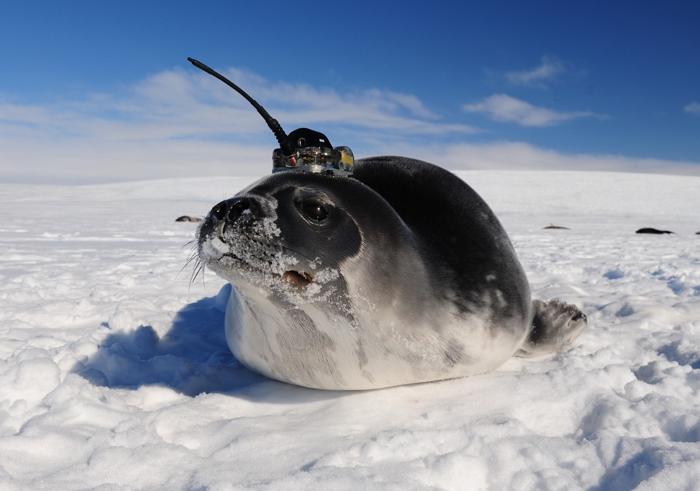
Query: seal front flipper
{"x": 554, "y": 326}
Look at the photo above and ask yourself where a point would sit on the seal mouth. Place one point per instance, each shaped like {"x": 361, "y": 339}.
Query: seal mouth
{"x": 299, "y": 279}
{"x": 295, "y": 278}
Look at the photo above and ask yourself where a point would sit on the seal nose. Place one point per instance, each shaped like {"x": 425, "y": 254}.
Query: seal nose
{"x": 231, "y": 209}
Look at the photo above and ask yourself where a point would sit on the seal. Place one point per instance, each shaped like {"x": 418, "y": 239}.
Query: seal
{"x": 397, "y": 275}
{"x": 653, "y": 231}
{"x": 363, "y": 275}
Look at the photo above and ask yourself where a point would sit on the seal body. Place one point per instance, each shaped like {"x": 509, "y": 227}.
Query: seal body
{"x": 398, "y": 275}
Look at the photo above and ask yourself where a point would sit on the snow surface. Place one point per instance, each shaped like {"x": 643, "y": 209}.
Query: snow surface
{"x": 114, "y": 371}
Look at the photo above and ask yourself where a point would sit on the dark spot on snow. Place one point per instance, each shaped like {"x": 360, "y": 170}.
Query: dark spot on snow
{"x": 682, "y": 429}
{"x": 649, "y": 373}
{"x": 551, "y": 226}
{"x": 595, "y": 419}
{"x": 614, "y": 274}
{"x": 676, "y": 285}
{"x": 308, "y": 466}
{"x": 636, "y": 469}
{"x": 651, "y": 230}
{"x": 625, "y": 311}
{"x": 95, "y": 377}
{"x": 676, "y": 352}
{"x": 626, "y": 471}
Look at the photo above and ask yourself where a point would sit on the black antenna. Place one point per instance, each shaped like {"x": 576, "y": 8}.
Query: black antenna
{"x": 271, "y": 122}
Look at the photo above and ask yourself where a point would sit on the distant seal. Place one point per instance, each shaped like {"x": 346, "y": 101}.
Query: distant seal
{"x": 651, "y": 230}
{"x": 398, "y": 275}
{"x": 188, "y": 218}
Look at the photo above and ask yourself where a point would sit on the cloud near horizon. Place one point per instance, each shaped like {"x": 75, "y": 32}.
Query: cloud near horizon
{"x": 179, "y": 122}
{"x": 506, "y": 109}
{"x": 516, "y": 155}
{"x": 692, "y": 108}
{"x": 184, "y": 124}
{"x": 548, "y": 70}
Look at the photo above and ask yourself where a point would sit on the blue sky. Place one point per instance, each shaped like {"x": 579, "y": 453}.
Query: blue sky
{"x": 93, "y": 91}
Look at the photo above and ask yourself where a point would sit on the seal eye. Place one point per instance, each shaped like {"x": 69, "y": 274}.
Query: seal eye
{"x": 314, "y": 210}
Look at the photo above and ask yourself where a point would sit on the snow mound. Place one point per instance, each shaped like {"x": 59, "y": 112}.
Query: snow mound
{"x": 114, "y": 371}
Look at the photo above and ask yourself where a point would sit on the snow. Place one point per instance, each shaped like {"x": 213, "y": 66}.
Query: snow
{"x": 114, "y": 371}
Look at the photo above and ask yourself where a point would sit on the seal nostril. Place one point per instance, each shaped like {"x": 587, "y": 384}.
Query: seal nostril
{"x": 219, "y": 211}
{"x": 230, "y": 209}
{"x": 237, "y": 209}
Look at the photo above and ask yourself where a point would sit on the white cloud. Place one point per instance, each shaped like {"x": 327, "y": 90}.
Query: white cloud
{"x": 507, "y": 109}
{"x": 548, "y": 69}
{"x": 514, "y": 155}
{"x": 182, "y": 122}
{"x": 692, "y": 108}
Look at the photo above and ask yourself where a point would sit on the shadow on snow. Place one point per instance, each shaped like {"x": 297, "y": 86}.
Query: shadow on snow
{"x": 192, "y": 358}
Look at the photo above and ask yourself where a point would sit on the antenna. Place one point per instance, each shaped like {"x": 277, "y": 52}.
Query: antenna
{"x": 271, "y": 122}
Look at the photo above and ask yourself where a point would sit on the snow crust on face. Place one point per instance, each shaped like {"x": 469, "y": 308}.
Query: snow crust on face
{"x": 261, "y": 260}
{"x": 257, "y": 254}
{"x": 115, "y": 372}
